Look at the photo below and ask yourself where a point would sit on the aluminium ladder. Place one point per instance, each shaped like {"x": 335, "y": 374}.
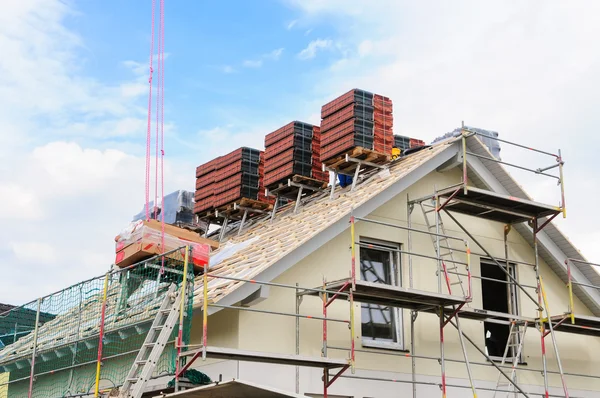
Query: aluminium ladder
{"x": 442, "y": 247}
{"x": 516, "y": 339}
{"x": 145, "y": 363}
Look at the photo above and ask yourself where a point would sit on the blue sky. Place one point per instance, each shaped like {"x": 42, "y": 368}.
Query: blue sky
{"x": 73, "y": 101}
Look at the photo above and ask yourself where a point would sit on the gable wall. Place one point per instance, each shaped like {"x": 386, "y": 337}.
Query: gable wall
{"x": 272, "y": 333}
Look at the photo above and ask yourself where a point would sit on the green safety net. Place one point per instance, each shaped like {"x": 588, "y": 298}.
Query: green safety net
{"x": 63, "y": 344}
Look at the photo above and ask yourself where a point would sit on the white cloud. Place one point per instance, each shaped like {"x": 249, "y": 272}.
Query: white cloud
{"x": 257, "y": 63}
{"x": 513, "y": 70}
{"x": 228, "y": 69}
{"x": 66, "y": 191}
{"x": 252, "y": 63}
{"x": 34, "y": 252}
{"x": 291, "y": 24}
{"x": 275, "y": 54}
{"x": 313, "y": 47}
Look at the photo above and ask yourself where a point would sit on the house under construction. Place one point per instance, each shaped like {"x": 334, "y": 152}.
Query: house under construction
{"x": 431, "y": 275}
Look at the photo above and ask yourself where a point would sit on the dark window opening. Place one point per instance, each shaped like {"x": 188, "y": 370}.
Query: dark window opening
{"x": 498, "y": 296}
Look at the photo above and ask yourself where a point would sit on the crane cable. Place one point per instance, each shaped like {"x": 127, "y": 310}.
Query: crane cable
{"x": 159, "y": 123}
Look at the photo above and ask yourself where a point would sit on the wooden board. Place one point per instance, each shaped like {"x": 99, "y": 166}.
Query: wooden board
{"x": 339, "y": 162}
{"x": 181, "y": 233}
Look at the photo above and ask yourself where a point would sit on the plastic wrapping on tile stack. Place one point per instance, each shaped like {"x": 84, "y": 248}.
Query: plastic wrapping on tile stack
{"x": 178, "y": 208}
{"x": 404, "y": 143}
{"x": 317, "y": 169}
{"x": 143, "y": 239}
{"x": 357, "y": 119}
{"x": 226, "y": 179}
{"x": 261, "y": 181}
{"x": 288, "y": 151}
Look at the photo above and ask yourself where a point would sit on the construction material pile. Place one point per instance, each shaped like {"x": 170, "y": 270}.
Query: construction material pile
{"x": 289, "y": 152}
{"x": 317, "y": 170}
{"x": 178, "y": 208}
{"x": 226, "y": 179}
{"x": 356, "y": 119}
{"x": 403, "y": 143}
{"x": 143, "y": 239}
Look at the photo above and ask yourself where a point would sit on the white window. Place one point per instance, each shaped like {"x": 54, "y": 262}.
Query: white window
{"x": 381, "y": 325}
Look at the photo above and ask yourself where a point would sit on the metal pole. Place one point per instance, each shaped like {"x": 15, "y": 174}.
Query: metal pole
{"x": 560, "y": 368}
{"x": 437, "y": 243}
{"x": 205, "y": 311}
{"x": 352, "y": 333}
{"x": 562, "y": 184}
{"x": 413, "y": 318}
{"x": 324, "y": 349}
{"x": 492, "y": 258}
{"x": 570, "y": 287}
{"x": 540, "y": 309}
{"x": 464, "y": 148}
{"x": 33, "y": 354}
{"x": 101, "y": 336}
{"x": 181, "y": 312}
{"x": 298, "y": 298}
{"x": 409, "y": 210}
{"x": 352, "y": 252}
{"x": 442, "y": 360}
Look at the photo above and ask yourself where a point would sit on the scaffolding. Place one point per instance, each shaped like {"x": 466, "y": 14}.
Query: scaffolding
{"x": 125, "y": 291}
{"x": 86, "y": 337}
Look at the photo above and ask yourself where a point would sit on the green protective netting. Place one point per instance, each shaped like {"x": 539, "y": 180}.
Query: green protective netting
{"x": 68, "y": 331}
{"x": 193, "y": 376}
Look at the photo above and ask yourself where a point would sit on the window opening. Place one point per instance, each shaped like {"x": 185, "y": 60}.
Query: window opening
{"x": 498, "y": 296}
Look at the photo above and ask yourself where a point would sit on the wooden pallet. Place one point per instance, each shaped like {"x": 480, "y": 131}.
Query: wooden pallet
{"x": 288, "y": 190}
{"x": 236, "y": 209}
{"x": 339, "y": 163}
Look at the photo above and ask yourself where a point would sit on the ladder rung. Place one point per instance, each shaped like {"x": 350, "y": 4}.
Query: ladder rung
{"x": 133, "y": 380}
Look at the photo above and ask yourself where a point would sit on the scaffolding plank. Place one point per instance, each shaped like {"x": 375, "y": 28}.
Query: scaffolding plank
{"x": 584, "y": 325}
{"x": 484, "y": 315}
{"x": 495, "y": 206}
{"x": 396, "y": 296}
{"x": 267, "y": 357}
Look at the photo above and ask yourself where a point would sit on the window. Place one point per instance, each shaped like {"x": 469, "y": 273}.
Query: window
{"x": 381, "y": 326}
{"x": 498, "y": 296}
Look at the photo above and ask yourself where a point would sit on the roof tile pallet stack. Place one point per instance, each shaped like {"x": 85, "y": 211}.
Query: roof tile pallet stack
{"x": 317, "y": 169}
{"x": 227, "y": 178}
{"x": 404, "y": 143}
{"x": 261, "y": 182}
{"x": 357, "y": 119}
{"x": 288, "y": 152}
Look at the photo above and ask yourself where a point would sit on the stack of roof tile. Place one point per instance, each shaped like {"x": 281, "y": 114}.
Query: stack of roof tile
{"x": 288, "y": 151}
{"x": 356, "y": 119}
{"x": 317, "y": 169}
{"x": 261, "y": 181}
{"x": 404, "y": 143}
{"x": 227, "y": 178}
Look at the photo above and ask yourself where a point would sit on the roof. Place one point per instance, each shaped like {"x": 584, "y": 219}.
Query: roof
{"x": 232, "y": 389}
{"x": 274, "y": 241}
{"x": 291, "y": 237}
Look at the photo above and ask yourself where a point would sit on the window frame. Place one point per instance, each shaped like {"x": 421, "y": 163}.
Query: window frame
{"x": 396, "y": 277}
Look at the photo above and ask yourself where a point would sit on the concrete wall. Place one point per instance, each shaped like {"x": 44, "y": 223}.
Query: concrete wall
{"x": 272, "y": 333}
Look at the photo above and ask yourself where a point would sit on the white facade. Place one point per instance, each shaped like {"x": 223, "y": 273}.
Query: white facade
{"x": 332, "y": 260}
